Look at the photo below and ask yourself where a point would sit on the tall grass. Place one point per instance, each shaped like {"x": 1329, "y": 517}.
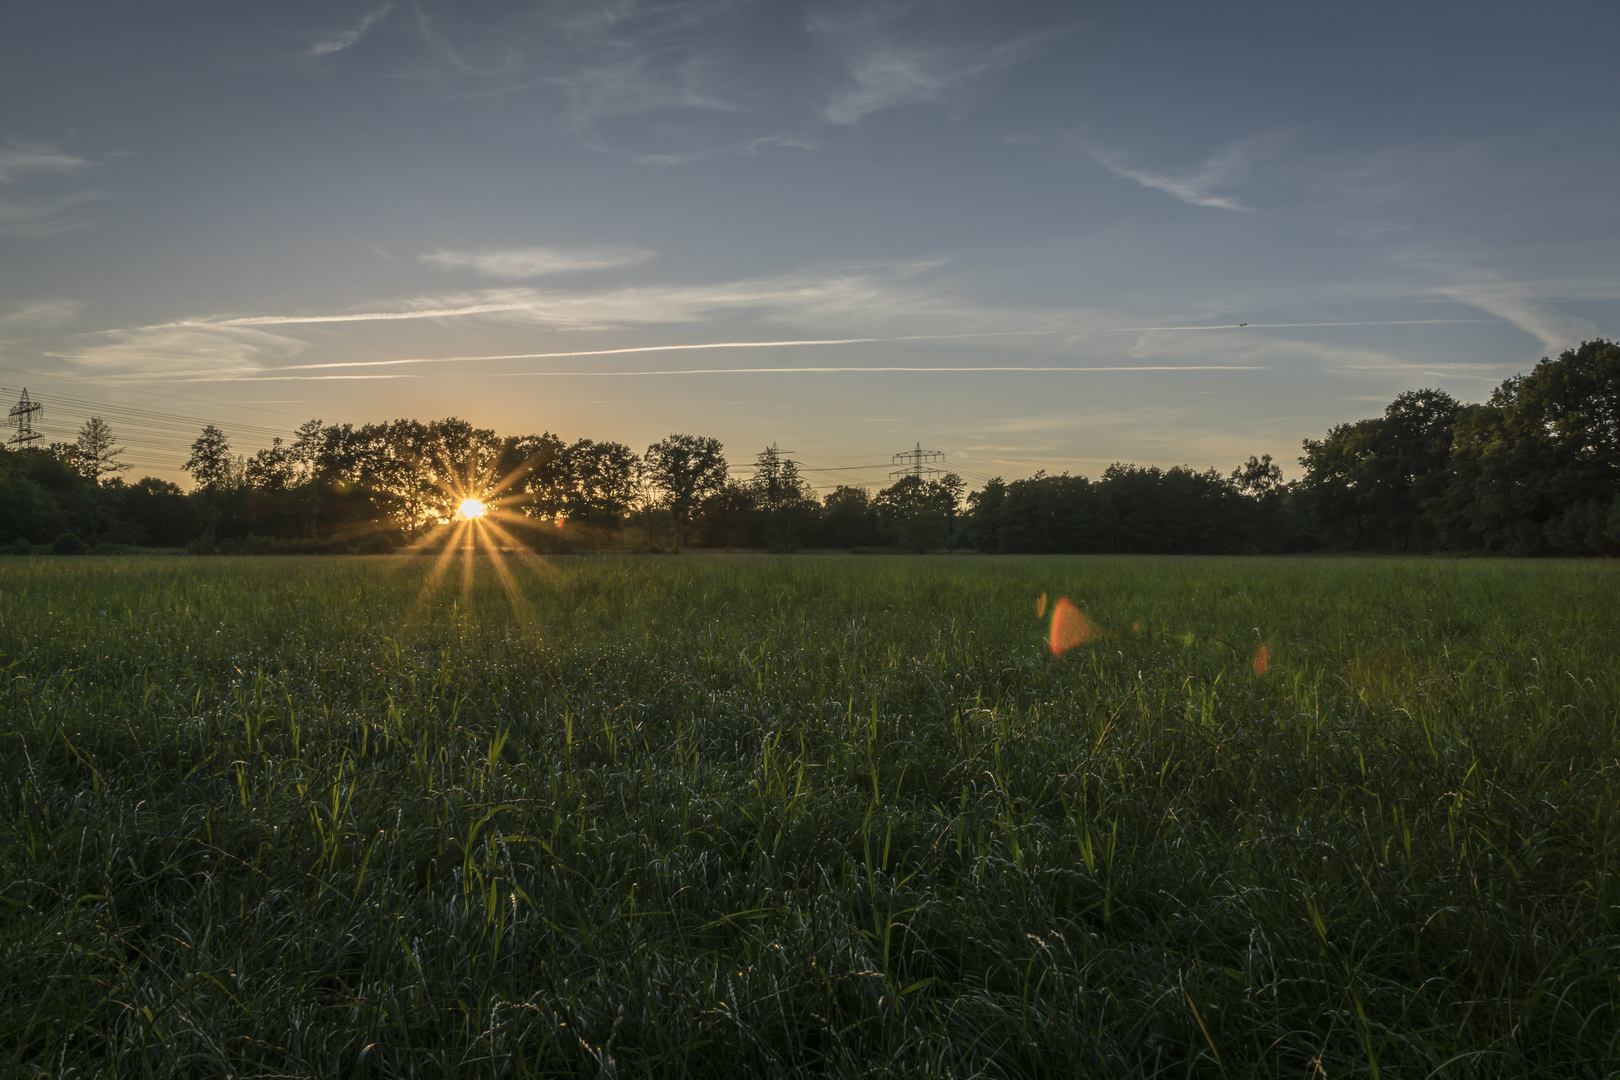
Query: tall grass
{"x": 802, "y": 816}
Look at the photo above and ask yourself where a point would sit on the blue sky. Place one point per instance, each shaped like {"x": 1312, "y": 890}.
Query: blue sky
{"x": 1023, "y": 234}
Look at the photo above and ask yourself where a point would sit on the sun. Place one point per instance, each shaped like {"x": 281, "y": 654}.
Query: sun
{"x": 472, "y": 509}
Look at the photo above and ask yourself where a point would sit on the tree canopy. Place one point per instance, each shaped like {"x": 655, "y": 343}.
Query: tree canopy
{"x": 1533, "y": 470}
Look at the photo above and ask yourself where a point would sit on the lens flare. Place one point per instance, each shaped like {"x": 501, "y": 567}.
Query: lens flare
{"x": 1070, "y": 627}
{"x": 1040, "y": 605}
{"x": 1262, "y": 659}
{"x": 472, "y": 509}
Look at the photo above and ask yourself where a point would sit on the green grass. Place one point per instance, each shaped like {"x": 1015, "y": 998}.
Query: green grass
{"x": 842, "y": 816}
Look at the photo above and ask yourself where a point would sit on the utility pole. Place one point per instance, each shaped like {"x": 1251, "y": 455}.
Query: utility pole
{"x": 776, "y": 480}
{"x": 914, "y": 459}
{"x": 22, "y": 417}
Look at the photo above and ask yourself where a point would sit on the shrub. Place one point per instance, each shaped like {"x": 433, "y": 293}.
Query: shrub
{"x": 69, "y": 544}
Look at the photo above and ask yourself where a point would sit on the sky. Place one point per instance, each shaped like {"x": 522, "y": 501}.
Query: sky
{"x": 1030, "y": 236}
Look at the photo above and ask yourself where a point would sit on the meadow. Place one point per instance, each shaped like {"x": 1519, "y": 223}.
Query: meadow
{"x": 781, "y": 816}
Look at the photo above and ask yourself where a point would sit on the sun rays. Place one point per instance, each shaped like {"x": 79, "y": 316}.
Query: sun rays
{"x": 470, "y": 523}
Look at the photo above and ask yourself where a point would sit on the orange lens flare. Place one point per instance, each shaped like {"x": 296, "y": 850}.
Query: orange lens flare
{"x": 1262, "y": 659}
{"x": 1040, "y": 605}
{"x": 1070, "y": 627}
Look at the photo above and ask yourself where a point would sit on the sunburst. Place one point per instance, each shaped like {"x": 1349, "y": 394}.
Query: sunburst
{"x": 474, "y": 503}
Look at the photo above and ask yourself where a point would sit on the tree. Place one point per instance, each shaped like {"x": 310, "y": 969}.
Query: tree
{"x": 781, "y": 494}
{"x": 161, "y": 513}
{"x": 273, "y": 468}
{"x": 98, "y": 456}
{"x": 308, "y": 441}
{"x": 542, "y": 478}
{"x": 600, "y": 484}
{"x": 847, "y": 519}
{"x": 1258, "y": 477}
{"x": 685, "y": 469}
{"x": 210, "y": 463}
{"x": 919, "y": 514}
{"x": 215, "y": 472}
{"x": 1371, "y": 483}
{"x": 1536, "y": 469}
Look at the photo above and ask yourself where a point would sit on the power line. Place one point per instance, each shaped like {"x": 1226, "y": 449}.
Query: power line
{"x": 136, "y": 414}
{"x": 916, "y": 457}
{"x": 22, "y": 417}
{"x": 166, "y": 395}
{"x": 160, "y": 439}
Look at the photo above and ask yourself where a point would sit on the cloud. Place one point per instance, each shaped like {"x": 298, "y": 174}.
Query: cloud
{"x": 668, "y": 83}
{"x": 1520, "y": 305}
{"x": 1199, "y": 187}
{"x": 518, "y": 263}
{"x": 23, "y": 160}
{"x": 850, "y": 369}
{"x": 41, "y": 214}
{"x": 880, "y": 301}
{"x": 874, "y": 292}
{"x": 890, "y": 75}
{"x": 154, "y": 351}
{"x": 640, "y": 79}
{"x": 346, "y": 38}
{"x": 680, "y": 347}
{"x": 41, "y": 313}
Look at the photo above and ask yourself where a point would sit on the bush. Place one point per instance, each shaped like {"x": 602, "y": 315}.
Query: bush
{"x": 69, "y": 544}
{"x": 27, "y": 511}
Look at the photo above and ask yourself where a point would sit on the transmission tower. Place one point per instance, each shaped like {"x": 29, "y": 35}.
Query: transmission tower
{"x": 913, "y": 460}
{"x": 22, "y": 417}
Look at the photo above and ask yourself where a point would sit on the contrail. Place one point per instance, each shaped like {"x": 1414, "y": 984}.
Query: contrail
{"x": 366, "y": 316}
{"x": 1295, "y": 325}
{"x": 733, "y": 371}
{"x": 665, "y": 348}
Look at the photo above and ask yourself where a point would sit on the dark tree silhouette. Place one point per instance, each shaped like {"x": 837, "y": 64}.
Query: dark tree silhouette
{"x": 685, "y": 470}
{"x": 98, "y": 451}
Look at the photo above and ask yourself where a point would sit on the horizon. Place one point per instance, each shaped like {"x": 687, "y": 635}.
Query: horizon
{"x": 1029, "y": 240}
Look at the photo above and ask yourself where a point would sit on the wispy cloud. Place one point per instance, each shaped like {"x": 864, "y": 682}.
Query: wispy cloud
{"x": 875, "y": 296}
{"x": 346, "y": 38}
{"x": 36, "y": 212}
{"x": 41, "y": 314}
{"x": 641, "y": 79}
{"x": 492, "y": 307}
{"x": 1201, "y": 186}
{"x": 1296, "y": 325}
{"x": 155, "y": 351}
{"x": 1521, "y": 305}
{"x": 519, "y": 263}
{"x": 887, "y": 75}
{"x": 871, "y": 293}
{"x": 849, "y": 369}
{"x": 23, "y": 160}
{"x": 678, "y": 347}
{"x": 668, "y": 83}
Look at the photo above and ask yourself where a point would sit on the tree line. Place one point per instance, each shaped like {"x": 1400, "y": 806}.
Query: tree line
{"x": 1534, "y": 470}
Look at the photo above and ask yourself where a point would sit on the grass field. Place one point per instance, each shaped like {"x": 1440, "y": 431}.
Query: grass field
{"x": 707, "y": 815}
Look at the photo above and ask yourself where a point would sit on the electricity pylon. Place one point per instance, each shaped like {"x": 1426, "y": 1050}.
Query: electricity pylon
{"x": 21, "y": 417}
{"x": 915, "y": 458}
